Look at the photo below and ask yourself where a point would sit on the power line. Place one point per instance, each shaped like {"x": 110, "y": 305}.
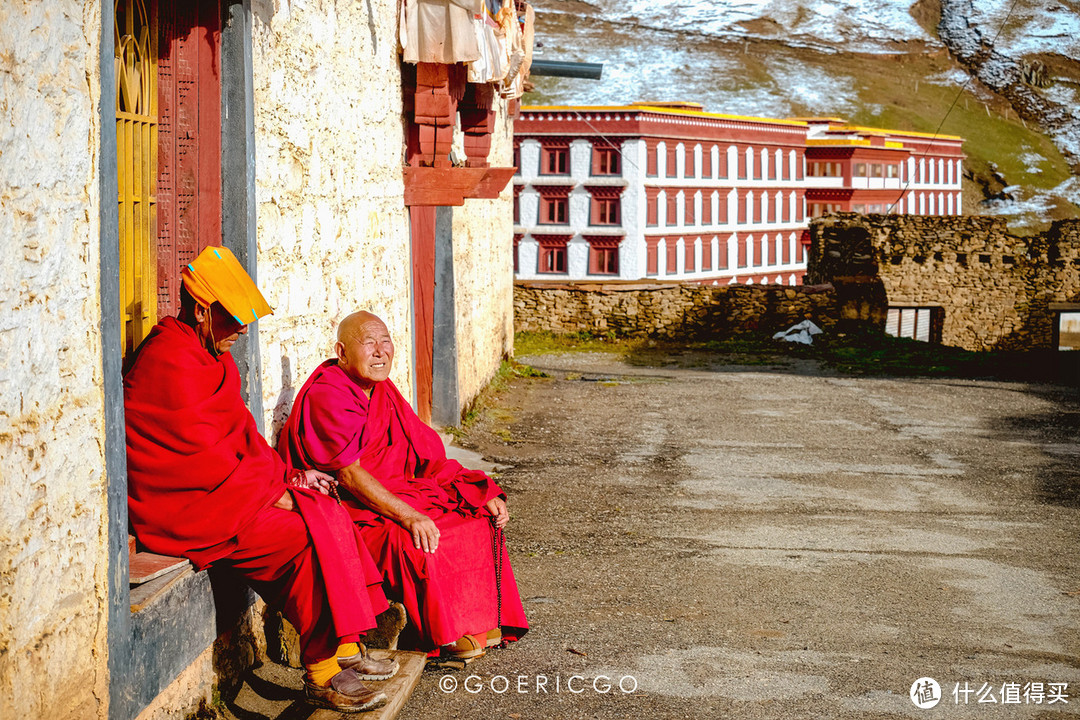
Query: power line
{"x": 956, "y": 99}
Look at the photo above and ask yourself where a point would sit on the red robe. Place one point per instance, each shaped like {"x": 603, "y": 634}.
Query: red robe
{"x": 452, "y": 591}
{"x": 202, "y": 482}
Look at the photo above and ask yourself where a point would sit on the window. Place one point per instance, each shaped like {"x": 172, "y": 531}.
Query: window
{"x": 553, "y": 210}
{"x": 860, "y": 170}
{"x": 892, "y": 171}
{"x": 552, "y": 256}
{"x": 605, "y": 211}
{"x": 517, "y": 204}
{"x": 688, "y": 168}
{"x": 606, "y": 161}
{"x": 652, "y": 253}
{"x": 876, "y": 170}
{"x": 688, "y": 214}
{"x": 672, "y": 210}
{"x": 517, "y": 250}
{"x": 650, "y": 158}
{"x": 1067, "y": 330}
{"x": 917, "y": 323}
{"x": 689, "y": 255}
{"x": 517, "y": 159}
{"x": 603, "y": 255}
{"x": 672, "y": 257}
{"x": 651, "y": 206}
{"x": 555, "y": 160}
{"x": 671, "y": 169}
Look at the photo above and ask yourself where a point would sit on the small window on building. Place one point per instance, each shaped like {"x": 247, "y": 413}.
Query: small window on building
{"x": 553, "y": 210}
{"x": 552, "y": 258}
{"x": 876, "y": 170}
{"x": 892, "y": 171}
{"x": 555, "y": 161}
{"x": 860, "y": 170}
{"x": 1068, "y": 330}
{"x": 603, "y": 256}
{"x": 606, "y": 161}
{"x": 918, "y": 323}
{"x": 605, "y": 211}
{"x": 672, "y": 210}
{"x": 517, "y": 159}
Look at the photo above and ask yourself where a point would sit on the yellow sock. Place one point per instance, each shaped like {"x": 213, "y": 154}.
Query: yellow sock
{"x": 321, "y": 672}
{"x": 347, "y": 650}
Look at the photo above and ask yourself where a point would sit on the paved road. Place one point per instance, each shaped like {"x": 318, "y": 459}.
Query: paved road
{"x": 776, "y": 542}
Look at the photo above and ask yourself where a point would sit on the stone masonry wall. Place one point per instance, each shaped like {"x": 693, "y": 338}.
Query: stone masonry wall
{"x": 53, "y": 528}
{"x": 484, "y": 274}
{"x": 995, "y": 289}
{"x": 684, "y": 311}
{"x": 333, "y": 231}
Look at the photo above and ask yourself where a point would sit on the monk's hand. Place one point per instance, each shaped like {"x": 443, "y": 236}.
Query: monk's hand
{"x": 497, "y": 508}
{"x": 425, "y": 534}
{"x": 285, "y": 502}
{"x": 319, "y": 481}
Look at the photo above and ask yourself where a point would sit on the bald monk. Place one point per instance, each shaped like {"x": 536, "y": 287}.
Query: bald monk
{"x": 205, "y": 485}
{"x": 433, "y": 527}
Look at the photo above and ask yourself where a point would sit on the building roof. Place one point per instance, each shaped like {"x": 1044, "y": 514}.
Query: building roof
{"x": 672, "y": 108}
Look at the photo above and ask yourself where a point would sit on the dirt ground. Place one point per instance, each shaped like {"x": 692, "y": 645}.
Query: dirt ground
{"x": 776, "y": 541}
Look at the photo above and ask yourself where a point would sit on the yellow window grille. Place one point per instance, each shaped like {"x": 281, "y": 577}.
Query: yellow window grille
{"x": 136, "y": 148}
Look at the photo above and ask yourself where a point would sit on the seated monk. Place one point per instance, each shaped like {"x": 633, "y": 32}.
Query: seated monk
{"x": 433, "y": 527}
{"x": 204, "y": 484}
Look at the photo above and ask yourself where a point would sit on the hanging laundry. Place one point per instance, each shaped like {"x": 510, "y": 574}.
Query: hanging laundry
{"x": 439, "y": 31}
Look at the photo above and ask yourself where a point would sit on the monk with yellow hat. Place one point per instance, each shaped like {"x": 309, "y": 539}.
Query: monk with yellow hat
{"x": 204, "y": 484}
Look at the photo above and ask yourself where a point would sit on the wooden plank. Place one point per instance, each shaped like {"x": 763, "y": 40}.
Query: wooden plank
{"x": 147, "y": 566}
{"x": 397, "y": 689}
{"x": 493, "y": 182}
{"x": 142, "y": 596}
{"x": 422, "y": 223}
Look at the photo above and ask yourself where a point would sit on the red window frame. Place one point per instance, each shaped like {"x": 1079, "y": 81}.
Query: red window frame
{"x": 554, "y": 210}
{"x": 652, "y": 256}
{"x": 603, "y": 255}
{"x": 689, "y": 255}
{"x": 672, "y": 251}
{"x": 689, "y": 169}
{"x": 551, "y": 258}
{"x": 606, "y": 160}
{"x": 605, "y": 211}
{"x": 652, "y": 209}
{"x": 672, "y": 218}
{"x": 555, "y": 160}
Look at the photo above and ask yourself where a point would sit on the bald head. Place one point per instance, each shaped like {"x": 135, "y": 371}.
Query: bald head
{"x": 364, "y": 349}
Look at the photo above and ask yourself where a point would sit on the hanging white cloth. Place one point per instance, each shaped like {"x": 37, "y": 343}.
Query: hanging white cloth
{"x": 439, "y": 31}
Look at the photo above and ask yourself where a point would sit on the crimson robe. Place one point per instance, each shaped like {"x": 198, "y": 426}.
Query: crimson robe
{"x": 448, "y": 593}
{"x": 202, "y": 483}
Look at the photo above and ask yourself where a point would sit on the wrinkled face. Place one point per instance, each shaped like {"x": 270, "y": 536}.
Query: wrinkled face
{"x": 367, "y": 353}
{"x": 217, "y": 329}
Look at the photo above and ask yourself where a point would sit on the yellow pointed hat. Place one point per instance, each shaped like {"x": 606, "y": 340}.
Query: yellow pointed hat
{"x": 216, "y": 275}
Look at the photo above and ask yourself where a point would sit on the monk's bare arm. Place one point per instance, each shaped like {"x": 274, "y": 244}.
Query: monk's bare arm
{"x": 374, "y": 494}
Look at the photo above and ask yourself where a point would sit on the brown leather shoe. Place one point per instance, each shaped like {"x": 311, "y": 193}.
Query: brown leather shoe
{"x": 468, "y": 648}
{"x": 494, "y": 637}
{"x": 346, "y": 693}
{"x": 369, "y": 668}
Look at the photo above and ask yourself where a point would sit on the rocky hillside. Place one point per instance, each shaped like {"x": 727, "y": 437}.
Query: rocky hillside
{"x": 1001, "y": 73}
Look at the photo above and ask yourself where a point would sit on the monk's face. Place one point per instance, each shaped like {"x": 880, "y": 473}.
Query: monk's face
{"x": 217, "y": 329}
{"x": 366, "y": 352}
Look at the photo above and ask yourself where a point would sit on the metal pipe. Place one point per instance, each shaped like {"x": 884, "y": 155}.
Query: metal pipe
{"x": 557, "y": 68}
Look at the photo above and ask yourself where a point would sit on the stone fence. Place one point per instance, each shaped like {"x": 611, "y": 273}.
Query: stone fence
{"x": 992, "y": 290}
{"x": 672, "y": 310}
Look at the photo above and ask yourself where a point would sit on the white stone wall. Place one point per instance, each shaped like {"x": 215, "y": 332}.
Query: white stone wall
{"x": 333, "y": 231}
{"x": 484, "y": 274}
{"x": 53, "y": 528}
